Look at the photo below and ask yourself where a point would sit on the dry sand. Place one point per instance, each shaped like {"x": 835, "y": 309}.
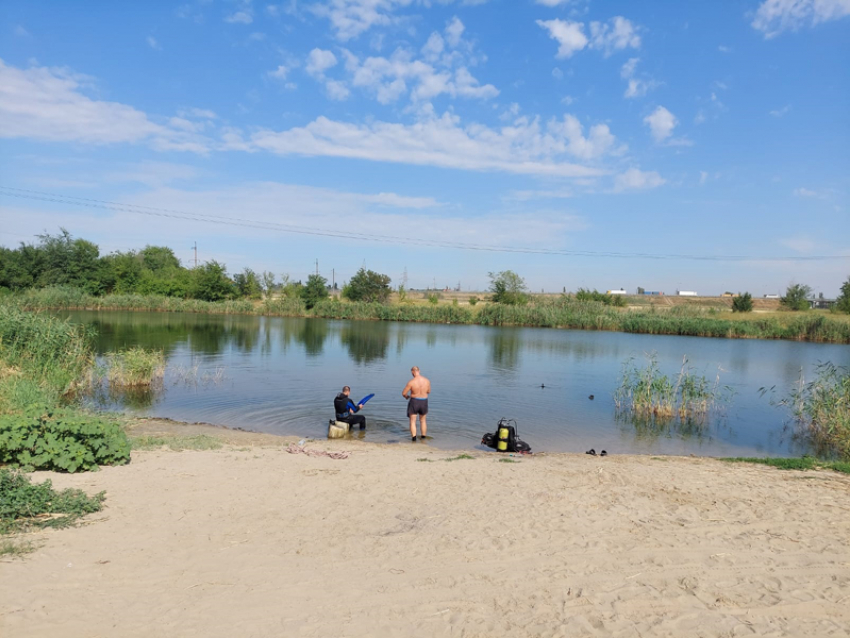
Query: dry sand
{"x": 401, "y": 540}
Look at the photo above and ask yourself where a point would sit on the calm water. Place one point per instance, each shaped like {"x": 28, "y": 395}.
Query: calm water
{"x": 280, "y": 376}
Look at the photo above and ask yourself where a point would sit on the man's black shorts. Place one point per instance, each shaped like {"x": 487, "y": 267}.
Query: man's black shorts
{"x": 417, "y": 406}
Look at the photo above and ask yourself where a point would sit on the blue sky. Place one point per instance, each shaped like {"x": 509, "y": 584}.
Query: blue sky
{"x": 669, "y": 145}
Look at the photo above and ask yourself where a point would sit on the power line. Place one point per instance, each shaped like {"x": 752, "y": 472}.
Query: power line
{"x": 22, "y": 193}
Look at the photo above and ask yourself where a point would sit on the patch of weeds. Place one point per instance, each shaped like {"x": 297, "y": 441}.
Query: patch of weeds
{"x": 16, "y": 550}
{"x": 459, "y": 457}
{"x": 425, "y": 460}
{"x": 25, "y": 505}
{"x": 803, "y": 463}
{"x": 508, "y": 461}
{"x": 657, "y": 458}
{"x": 176, "y": 443}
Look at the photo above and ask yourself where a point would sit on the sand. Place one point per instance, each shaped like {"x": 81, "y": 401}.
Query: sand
{"x": 250, "y": 540}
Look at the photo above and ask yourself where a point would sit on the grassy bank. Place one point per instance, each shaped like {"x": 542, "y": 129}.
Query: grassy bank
{"x": 542, "y": 311}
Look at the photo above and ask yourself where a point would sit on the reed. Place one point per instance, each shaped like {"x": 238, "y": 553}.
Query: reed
{"x": 821, "y": 410}
{"x": 541, "y": 311}
{"x": 651, "y": 396}
{"x": 136, "y": 367}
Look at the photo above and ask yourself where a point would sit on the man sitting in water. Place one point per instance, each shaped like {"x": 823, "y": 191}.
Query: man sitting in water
{"x": 345, "y": 413}
{"x": 416, "y": 392}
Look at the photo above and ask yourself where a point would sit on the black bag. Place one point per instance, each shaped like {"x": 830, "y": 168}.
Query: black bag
{"x": 510, "y": 442}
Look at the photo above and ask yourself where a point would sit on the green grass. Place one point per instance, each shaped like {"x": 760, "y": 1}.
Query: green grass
{"x": 561, "y": 311}
{"x": 425, "y": 460}
{"x": 25, "y": 505}
{"x": 16, "y": 548}
{"x": 136, "y": 367}
{"x": 803, "y": 463}
{"x": 459, "y": 457}
{"x": 176, "y": 443}
{"x": 508, "y": 461}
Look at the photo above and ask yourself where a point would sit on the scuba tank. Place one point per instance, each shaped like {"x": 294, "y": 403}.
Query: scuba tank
{"x": 504, "y": 435}
{"x": 505, "y": 438}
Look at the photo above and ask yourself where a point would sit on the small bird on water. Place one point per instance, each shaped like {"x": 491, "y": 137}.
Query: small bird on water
{"x": 590, "y": 397}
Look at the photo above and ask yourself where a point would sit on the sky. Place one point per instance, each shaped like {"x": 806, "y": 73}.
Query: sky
{"x": 664, "y": 144}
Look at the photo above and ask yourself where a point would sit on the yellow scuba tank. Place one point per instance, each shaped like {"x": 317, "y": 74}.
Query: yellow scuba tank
{"x": 504, "y": 437}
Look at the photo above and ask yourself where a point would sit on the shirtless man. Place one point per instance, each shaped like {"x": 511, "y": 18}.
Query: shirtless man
{"x": 416, "y": 392}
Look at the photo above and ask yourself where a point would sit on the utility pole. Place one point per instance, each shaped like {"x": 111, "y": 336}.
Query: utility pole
{"x": 196, "y": 254}
{"x": 317, "y": 266}
{"x": 404, "y": 277}
{"x": 333, "y": 278}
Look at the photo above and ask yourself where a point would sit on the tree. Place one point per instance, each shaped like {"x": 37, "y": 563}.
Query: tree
{"x": 508, "y": 288}
{"x": 742, "y": 303}
{"x": 159, "y": 258}
{"x": 315, "y": 290}
{"x": 248, "y": 284}
{"x": 796, "y": 297}
{"x": 211, "y": 282}
{"x": 842, "y": 304}
{"x": 268, "y": 283}
{"x": 369, "y": 286}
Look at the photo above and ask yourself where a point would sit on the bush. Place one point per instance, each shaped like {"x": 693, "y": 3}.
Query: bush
{"x": 44, "y": 438}
{"x": 315, "y": 291}
{"x": 21, "y": 501}
{"x": 842, "y": 304}
{"x": 796, "y": 297}
{"x": 368, "y": 286}
{"x": 609, "y": 300}
{"x": 473, "y": 300}
{"x": 743, "y": 303}
{"x": 136, "y": 367}
{"x": 508, "y": 288}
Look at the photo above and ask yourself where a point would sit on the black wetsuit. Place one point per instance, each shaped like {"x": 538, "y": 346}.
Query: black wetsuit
{"x": 341, "y": 410}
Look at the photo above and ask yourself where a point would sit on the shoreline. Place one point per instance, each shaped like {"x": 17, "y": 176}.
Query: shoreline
{"x": 420, "y": 541}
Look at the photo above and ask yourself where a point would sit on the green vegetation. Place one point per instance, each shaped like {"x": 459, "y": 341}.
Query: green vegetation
{"x": 609, "y": 300}
{"x": 821, "y": 410}
{"x": 136, "y": 367}
{"x": 368, "y": 286}
{"x": 25, "y": 505}
{"x": 654, "y": 397}
{"x": 176, "y": 443}
{"x": 743, "y": 303}
{"x": 804, "y": 463}
{"x": 842, "y": 303}
{"x": 508, "y": 288}
{"x": 65, "y": 440}
{"x": 460, "y": 457}
{"x": 43, "y": 360}
{"x": 315, "y": 291}
{"x": 796, "y": 297}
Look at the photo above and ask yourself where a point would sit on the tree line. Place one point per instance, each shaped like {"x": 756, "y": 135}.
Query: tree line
{"x": 62, "y": 260}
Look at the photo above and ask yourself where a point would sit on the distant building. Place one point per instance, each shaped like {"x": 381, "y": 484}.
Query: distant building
{"x": 616, "y": 292}
{"x": 686, "y": 293}
{"x": 771, "y": 296}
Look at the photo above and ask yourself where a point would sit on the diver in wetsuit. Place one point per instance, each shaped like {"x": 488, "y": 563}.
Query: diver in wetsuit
{"x": 344, "y": 412}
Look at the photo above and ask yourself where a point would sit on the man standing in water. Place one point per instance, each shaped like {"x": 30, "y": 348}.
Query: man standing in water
{"x": 416, "y": 392}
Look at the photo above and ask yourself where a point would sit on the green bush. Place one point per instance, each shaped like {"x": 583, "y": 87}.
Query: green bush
{"x": 368, "y": 286}
{"x": 796, "y": 297}
{"x": 65, "y": 440}
{"x": 21, "y": 501}
{"x": 742, "y": 303}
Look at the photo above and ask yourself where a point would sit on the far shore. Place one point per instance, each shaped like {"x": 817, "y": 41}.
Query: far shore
{"x": 260, "y": 536}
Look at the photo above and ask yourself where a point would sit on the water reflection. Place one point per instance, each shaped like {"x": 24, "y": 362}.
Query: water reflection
{"x": 367, "y": 341}
{"x": 276, "y": 374}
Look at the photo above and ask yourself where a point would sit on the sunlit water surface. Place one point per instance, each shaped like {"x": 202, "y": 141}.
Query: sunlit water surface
{"x": 280, "y": 375}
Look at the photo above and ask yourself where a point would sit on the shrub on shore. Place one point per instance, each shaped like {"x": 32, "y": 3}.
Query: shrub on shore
{"x": 136, "y": 367}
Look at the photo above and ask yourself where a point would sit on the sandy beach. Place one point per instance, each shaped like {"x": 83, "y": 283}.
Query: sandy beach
{"x": 407, "y": 540}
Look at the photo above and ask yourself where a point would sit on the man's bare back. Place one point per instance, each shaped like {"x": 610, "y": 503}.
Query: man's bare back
{"x": 416, "y": 392}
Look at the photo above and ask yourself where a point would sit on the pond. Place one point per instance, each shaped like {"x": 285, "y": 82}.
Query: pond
{"x": 280, "y": 375}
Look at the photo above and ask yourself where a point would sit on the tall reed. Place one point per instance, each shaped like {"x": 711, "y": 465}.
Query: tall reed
{"x": 136, "y": 367}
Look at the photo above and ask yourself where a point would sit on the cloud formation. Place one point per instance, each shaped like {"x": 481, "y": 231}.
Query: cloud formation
{"x": 636, "y": 179}
{"x": 776, "y": 16}
{"x": 615, "y": 35}
{"x": 661, "y": 123}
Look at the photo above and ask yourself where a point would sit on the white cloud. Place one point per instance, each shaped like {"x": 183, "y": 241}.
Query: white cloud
{"x": 21, "y": 32}
{"x": 618, "y": 34}
{"x": 433, "y": 48}
{"x": 569, "y": 35}
{"x": 567, "y": 100}
{"x": 661, "y": 123}
{"x": 319, "y": 61}
{"x": 552, "y": 3}
{"x": 48, "y": 104}
{"x": 703, "y": 177}
{"x": 240, "y": 17}
{"x": 337, "y": 90}
{"x": 390, "y": 78}
{"x": 153, "y": 44}
{"x": 805, "y": 192}
{"x": 636, "y": 86}
{"x": 350, "y": 18}
{"x": 775, "y": 16}
{"x": 454, "y": 31}
{"x": 724, "y": 49}
{"x": 527, "y": 147}
{"x": 781, "y": 112}
{"x": 636, "y": 179}
{"x": 557, "y": 74}
{"x": 280, "y": 72}
{"x": 201, "y": 113}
